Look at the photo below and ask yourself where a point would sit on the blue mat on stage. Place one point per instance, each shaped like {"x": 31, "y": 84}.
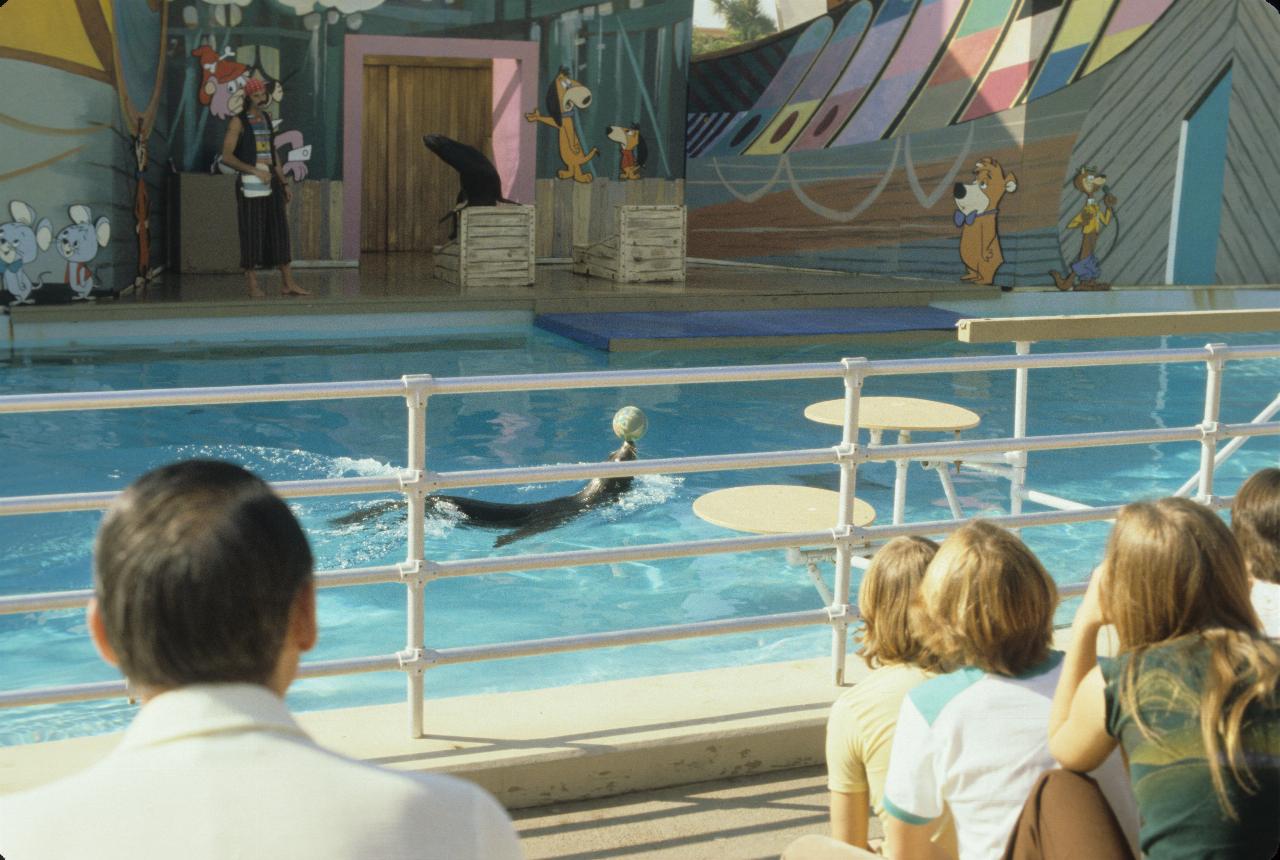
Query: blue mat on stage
{"x": 603, "y": 329}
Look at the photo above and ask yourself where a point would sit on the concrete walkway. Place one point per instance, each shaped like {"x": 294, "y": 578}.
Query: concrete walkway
{"x": 744, "y": 818}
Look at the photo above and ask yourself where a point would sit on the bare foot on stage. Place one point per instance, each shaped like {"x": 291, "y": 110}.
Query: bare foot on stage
{"x": 294, "y": 290}
{"x": 255, "y": 291}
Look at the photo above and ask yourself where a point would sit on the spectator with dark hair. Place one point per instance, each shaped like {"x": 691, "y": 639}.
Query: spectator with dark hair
{"x": 204, "y": 598}
{"x": 1255, "y": 520}
{"x": 1191, "y": 698}
{"x": 860, "y": 729}
{"x": 974, "y": 740}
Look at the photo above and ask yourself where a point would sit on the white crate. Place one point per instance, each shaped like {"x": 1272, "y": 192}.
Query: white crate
{"x": 494, "y": 248}
{"x": 649, "y": 247}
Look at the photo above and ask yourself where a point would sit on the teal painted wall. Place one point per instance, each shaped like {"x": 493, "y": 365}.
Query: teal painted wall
{"x": 1204, "y": 161}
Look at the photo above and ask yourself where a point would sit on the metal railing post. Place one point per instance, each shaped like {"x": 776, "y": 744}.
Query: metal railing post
{"x": 900, "y": 476}
{"x": 1209, "y": 427}
{"x": 840, "y": 611}
{"x": 1231, "y": 447}
{"x": 1018, "y": 479}
{"x": 412, "y": 658}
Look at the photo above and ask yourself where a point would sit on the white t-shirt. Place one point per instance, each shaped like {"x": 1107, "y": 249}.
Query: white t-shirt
{"x": 1266, "y": 601}
{"x": 978, "y": 742}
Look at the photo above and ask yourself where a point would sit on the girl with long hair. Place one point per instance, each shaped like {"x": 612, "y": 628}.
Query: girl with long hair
{"x": 1191, "y": 697}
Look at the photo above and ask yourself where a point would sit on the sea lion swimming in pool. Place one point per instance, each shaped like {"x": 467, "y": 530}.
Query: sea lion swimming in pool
{"x": 531, "y": 518}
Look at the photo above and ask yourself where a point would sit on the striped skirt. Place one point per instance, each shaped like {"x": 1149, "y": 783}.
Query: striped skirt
{"x": 264, "y": 230}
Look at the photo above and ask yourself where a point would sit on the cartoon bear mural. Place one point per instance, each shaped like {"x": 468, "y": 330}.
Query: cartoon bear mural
{"x": 1090, "y": 221}
{"x": 977, "y": 208}
{"x": 565, "y": 96}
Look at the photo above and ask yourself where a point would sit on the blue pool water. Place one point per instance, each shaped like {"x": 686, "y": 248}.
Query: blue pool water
{"x": 106, "y": 449}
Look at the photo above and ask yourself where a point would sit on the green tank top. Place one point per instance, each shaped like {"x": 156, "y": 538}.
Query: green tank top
{"x": 1180, "y": 812}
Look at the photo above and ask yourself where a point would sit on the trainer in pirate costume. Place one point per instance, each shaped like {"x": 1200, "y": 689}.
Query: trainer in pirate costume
{"x": 261, "y": 192}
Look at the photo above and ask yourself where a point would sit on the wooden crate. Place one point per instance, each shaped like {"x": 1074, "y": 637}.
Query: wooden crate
{"x": 648, "y": 247}
{"x": 494, "y": 248}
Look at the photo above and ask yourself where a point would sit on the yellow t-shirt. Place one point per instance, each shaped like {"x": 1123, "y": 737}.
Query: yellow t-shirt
{"x": 860, "y": 735}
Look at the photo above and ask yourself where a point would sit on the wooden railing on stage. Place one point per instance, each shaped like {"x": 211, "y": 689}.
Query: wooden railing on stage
{"x": 1092, "y": 326}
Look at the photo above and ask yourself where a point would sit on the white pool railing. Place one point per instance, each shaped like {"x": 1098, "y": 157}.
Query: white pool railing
{"x": 1006, "y": 456}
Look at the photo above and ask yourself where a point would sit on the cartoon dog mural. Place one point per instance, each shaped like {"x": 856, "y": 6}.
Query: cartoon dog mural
{"x": 21, "y": 241}
{"x": 78, "y": 243}
{"x": 564, "y": 96}
{"x": 1089, "y": 221}
{"x": 222, "y": 92}
{"x": 977, "y": 208}
{"x": 635, "y": 152}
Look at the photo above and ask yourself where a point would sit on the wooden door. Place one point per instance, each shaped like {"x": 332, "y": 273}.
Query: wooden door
{"x": 407, "y": 189}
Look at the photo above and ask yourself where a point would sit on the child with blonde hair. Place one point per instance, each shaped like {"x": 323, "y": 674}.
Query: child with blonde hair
{"x": 975, "y": 739}
{"x": 1191, "y": 697}
{"x": 860, "y": 728}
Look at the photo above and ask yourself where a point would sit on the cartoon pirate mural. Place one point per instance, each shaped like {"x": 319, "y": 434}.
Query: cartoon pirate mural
{"x": 222, "y": 83}
{"x": 1090, "y": 221}
{"x": 565, "y": 96}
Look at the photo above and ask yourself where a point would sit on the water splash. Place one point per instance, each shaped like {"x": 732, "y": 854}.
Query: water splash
{"x": 646, "y": 491}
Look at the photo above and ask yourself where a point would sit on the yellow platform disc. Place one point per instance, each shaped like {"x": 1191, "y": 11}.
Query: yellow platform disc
{"x": 772, "y": 509}
{"x": 897, "y": 413}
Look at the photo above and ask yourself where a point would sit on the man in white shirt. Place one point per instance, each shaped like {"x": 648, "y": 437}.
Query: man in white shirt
{"x": 204, "y": 598}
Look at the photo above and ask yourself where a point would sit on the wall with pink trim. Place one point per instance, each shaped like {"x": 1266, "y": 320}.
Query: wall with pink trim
{"x": 515, "y": 78}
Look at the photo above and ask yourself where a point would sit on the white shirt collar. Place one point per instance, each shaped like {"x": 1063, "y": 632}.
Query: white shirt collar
{"x": 205, "y": 709}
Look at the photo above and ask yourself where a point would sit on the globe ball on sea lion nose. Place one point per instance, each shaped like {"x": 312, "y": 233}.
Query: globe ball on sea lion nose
{"x": 629, "y": 424}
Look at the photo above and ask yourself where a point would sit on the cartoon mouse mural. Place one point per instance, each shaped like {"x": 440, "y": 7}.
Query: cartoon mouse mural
{"x": 1090, "y": 220}
{"x": 564, "y": 97}
{"x": 78, "y": 243}
{"x": 977, "y": 207}
{"x": 634, "y": 150}
{"x": 222, "y": 91}
{"x": 21, "y": 241}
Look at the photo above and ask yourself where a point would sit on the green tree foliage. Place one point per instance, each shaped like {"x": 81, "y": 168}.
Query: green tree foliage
{"x": 710, "y": 41}
{"x": 744, "y": 20}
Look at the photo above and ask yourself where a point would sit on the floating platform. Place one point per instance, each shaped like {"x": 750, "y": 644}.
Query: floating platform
{"x": 631, "y": 331}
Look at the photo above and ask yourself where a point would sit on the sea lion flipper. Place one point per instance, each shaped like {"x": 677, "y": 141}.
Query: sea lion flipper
{"x": 363, "y": 514}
